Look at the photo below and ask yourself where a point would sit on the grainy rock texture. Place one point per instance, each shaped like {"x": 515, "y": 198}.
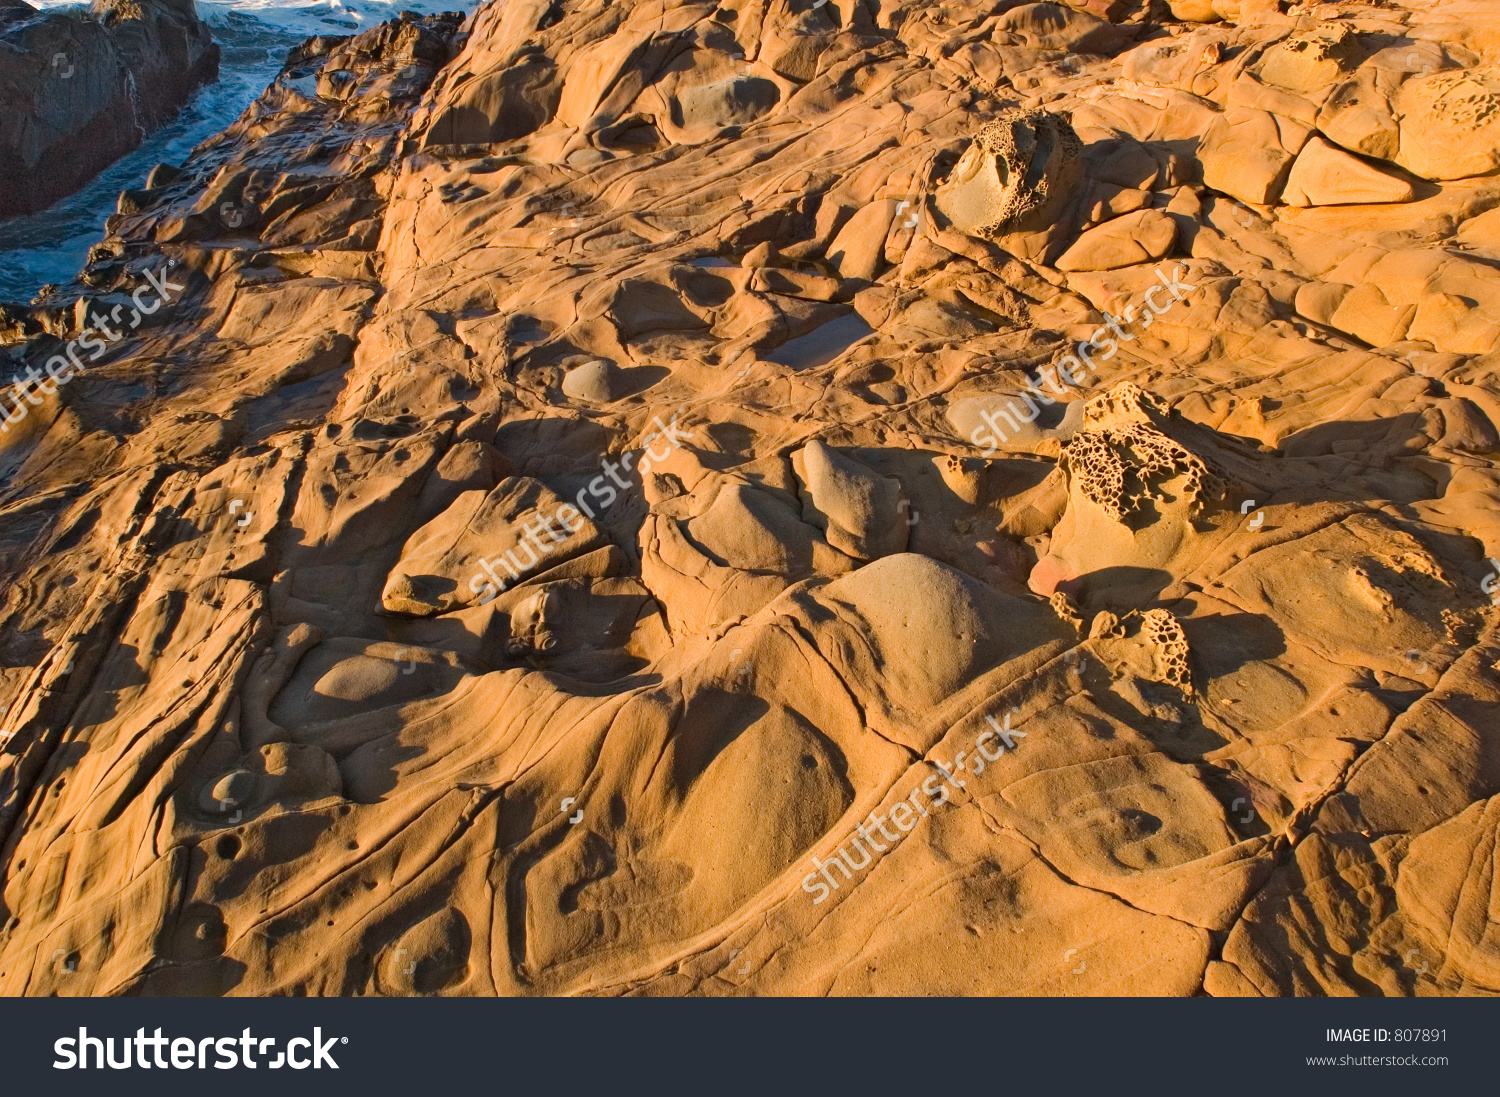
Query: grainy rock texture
{"x": 80, "y": 89}
{"x": 605, "y": 459}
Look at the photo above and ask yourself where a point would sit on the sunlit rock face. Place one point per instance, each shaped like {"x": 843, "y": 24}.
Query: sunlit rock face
{"x": 669, "y": 498}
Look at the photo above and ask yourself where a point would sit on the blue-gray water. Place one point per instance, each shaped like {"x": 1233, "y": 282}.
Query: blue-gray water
{"x": 51, "y": 246}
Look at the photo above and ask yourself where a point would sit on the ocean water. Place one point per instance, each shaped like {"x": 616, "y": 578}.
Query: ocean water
{"x": 253, "y": 37}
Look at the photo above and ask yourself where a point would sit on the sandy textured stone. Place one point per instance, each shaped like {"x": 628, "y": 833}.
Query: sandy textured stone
{"x": 1450, "y": 123}
{"x": 1248, "y": 153}
{"x": 1323, "y": 175}
{"x": 1058, "y": 435}
{"x": 1126, "y": 241}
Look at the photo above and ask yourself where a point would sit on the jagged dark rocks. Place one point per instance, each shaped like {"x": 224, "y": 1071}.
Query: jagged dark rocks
{"x": 79, "y": 90}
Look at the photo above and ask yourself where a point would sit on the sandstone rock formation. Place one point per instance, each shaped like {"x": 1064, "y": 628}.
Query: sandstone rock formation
{"x": 79, "y": 90}
{"x": 612, "y": 474}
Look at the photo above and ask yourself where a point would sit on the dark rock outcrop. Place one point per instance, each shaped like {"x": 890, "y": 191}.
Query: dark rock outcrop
{"x": 77, "y": 91}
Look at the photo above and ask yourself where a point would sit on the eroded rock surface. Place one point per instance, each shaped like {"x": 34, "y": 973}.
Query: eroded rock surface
{"x": 692, "y": 498}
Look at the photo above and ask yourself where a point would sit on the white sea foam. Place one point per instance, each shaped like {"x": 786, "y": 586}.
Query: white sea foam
{"x": 301, "y": 18}
{"x": 329, "y": 17}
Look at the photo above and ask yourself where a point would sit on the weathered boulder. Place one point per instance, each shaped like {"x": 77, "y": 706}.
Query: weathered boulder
{"x": 1137, "y": 237}
{"x": 1324, "y": 175}
{"x": 1053, "y": 26}
{"x": 1014, "y": 181}
{"x": 1248, "y": 153}
{"x": 1450, "y": 124}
